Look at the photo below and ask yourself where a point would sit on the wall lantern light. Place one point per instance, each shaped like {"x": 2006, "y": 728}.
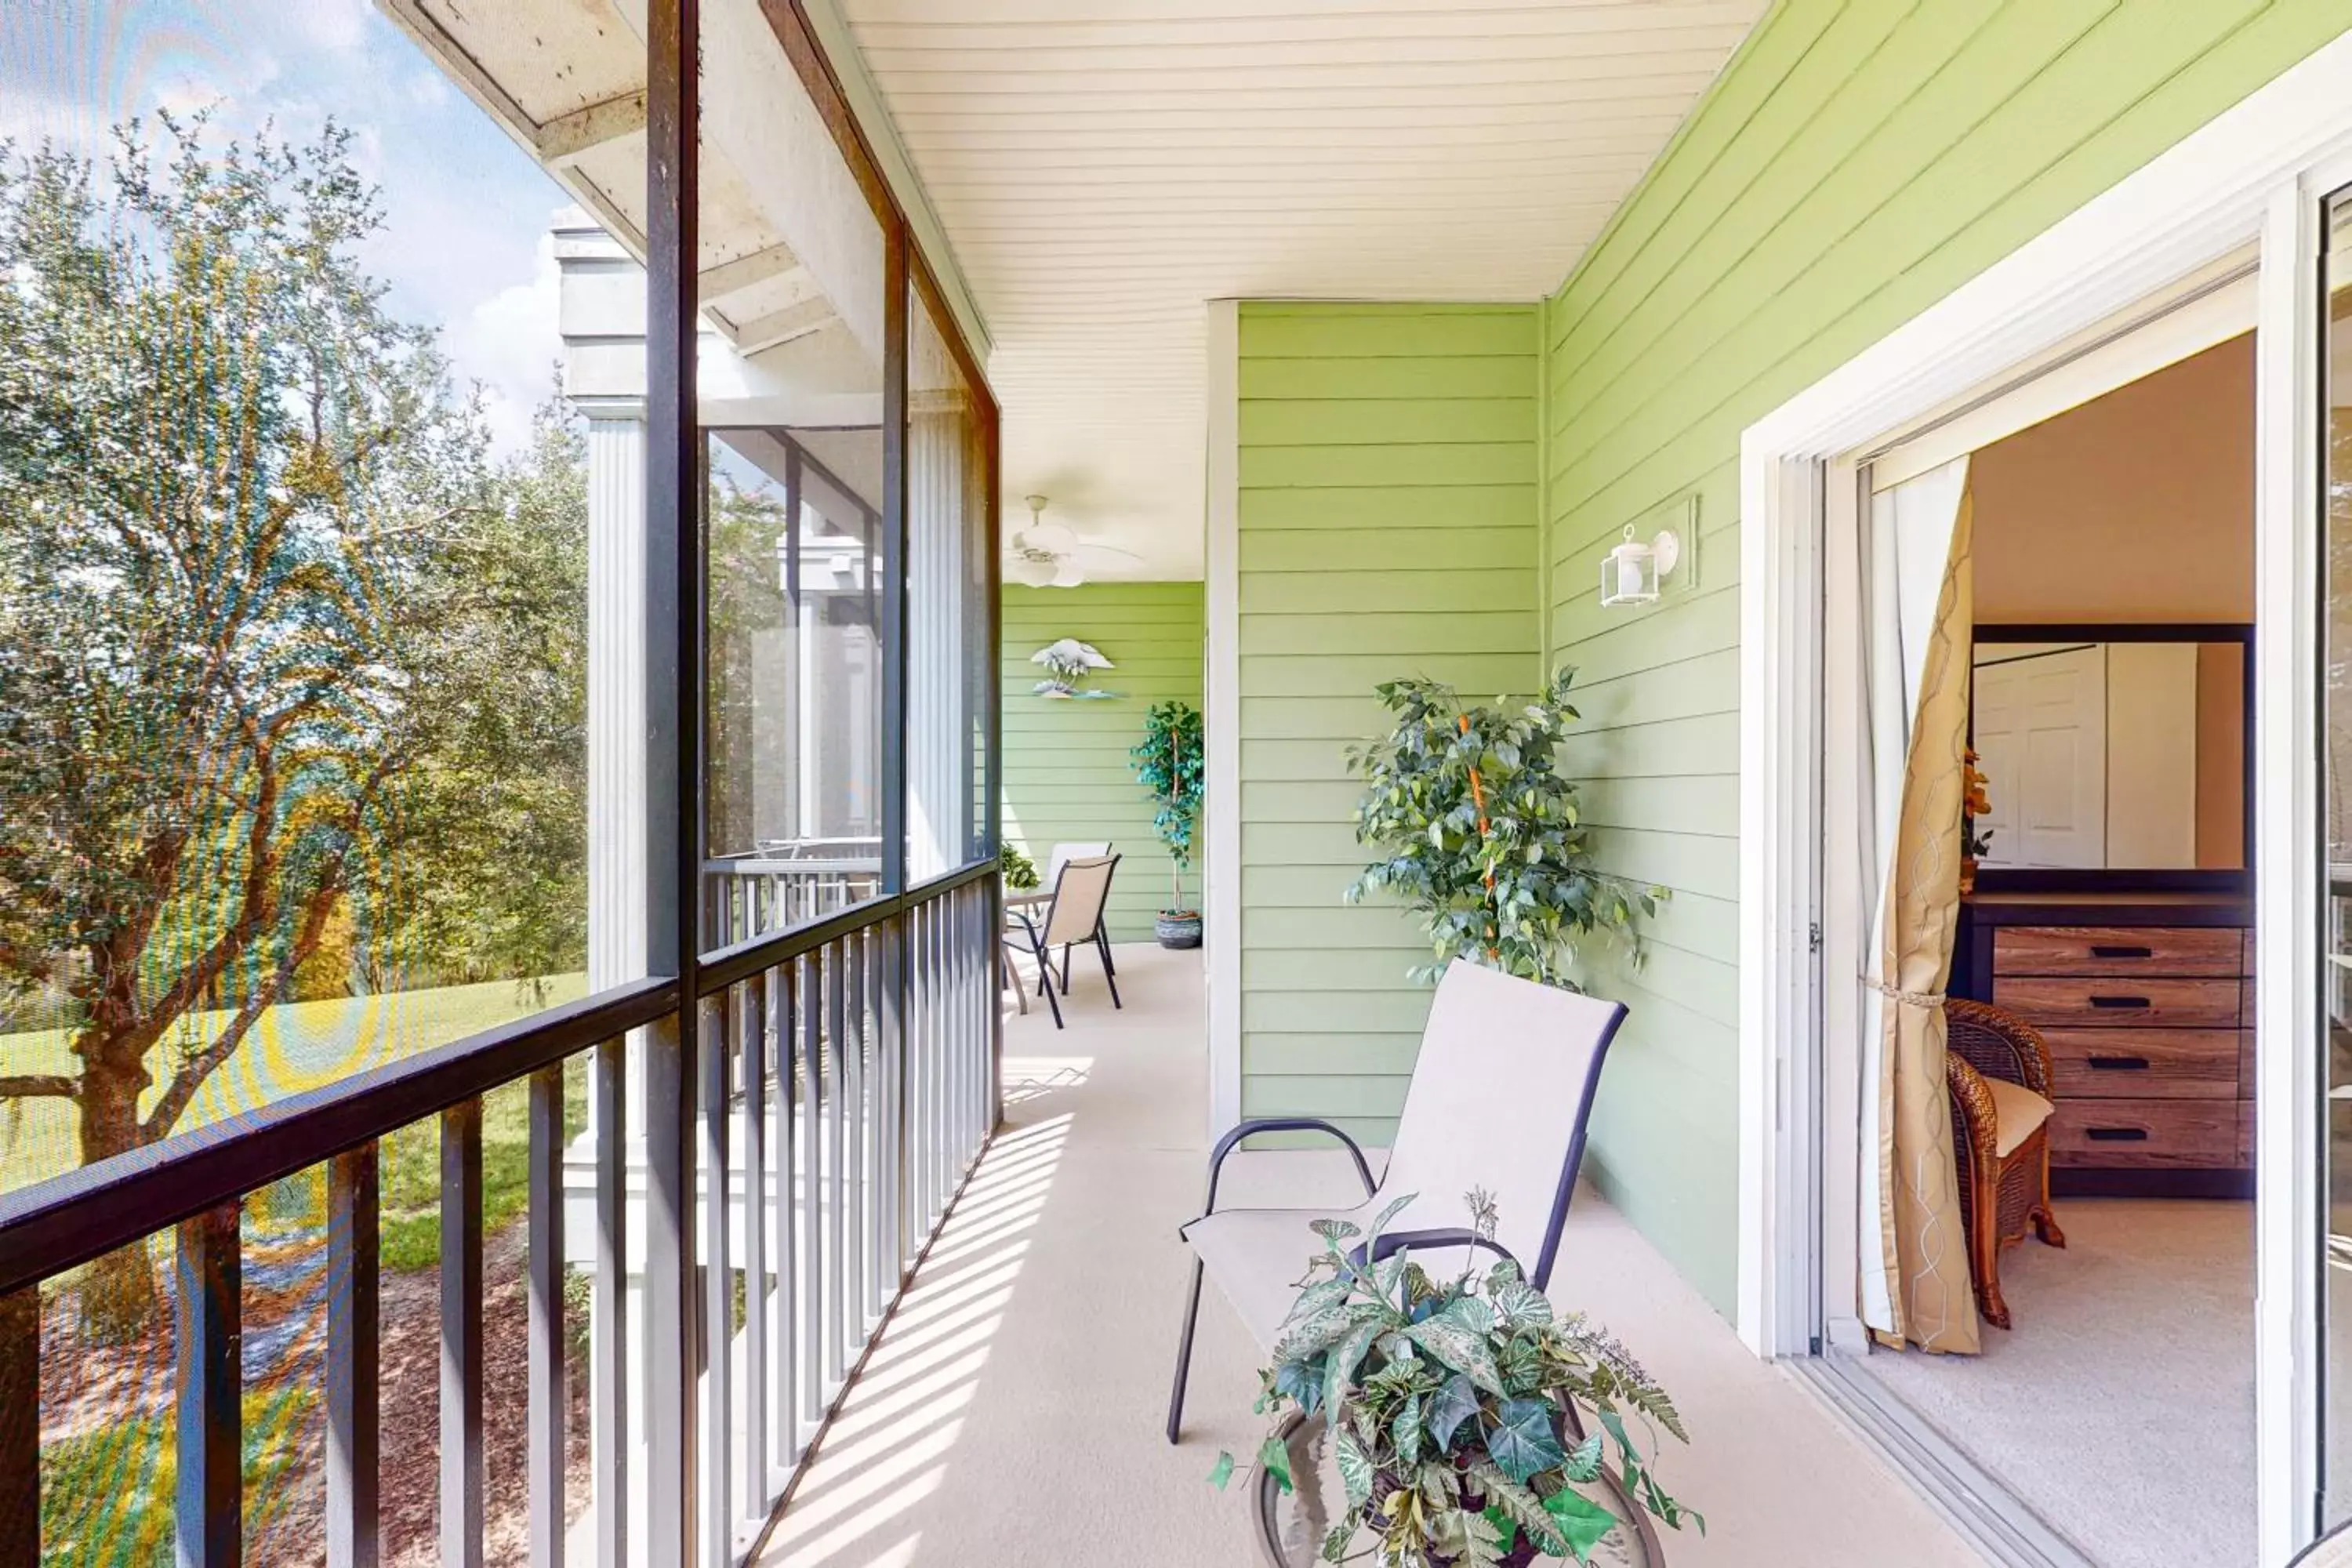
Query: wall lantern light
{"x": 1629, "y": 574}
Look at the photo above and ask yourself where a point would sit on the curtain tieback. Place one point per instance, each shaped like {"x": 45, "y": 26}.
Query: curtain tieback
{"x": 1895, "y": 994}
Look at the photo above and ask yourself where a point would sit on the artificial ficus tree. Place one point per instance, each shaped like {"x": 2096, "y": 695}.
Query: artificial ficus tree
{"x": 1169, "y": 765}
{"x": 1479, "y": 832}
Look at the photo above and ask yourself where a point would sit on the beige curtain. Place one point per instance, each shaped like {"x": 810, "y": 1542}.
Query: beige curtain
{"x": 1916, "y": 1288}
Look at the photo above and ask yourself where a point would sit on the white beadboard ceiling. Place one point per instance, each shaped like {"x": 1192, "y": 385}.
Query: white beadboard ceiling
{"x": 1104, "y": 167}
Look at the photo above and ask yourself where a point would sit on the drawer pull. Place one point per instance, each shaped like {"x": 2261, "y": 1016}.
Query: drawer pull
{"x": 2101, "y": 951}
{"x": 2115, "y": 1134}
{"x": 2118, "y": 1001}
{"x": 2119, "y": 1064}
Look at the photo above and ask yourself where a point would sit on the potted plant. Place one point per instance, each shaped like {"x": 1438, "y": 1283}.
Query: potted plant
{"x": 1452, "y": 1412}
{"x": 1020, "y": 872}
{"x": 1480, "y": 832}
{"x": 1976, "y": 843}
{"x": 1169, "y": 765}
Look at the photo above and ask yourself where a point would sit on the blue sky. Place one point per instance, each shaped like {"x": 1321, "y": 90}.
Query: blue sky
{"x": 465, "y": 242}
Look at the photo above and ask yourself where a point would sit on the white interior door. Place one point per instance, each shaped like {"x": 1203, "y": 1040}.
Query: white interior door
{"x": 2041, "y": 740}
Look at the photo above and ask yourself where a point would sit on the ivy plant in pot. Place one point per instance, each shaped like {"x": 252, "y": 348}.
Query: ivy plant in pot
{"x": 1449, "y": 1413}
{"x": 1480, "y": 833}
{"x": 1169, "y": 765}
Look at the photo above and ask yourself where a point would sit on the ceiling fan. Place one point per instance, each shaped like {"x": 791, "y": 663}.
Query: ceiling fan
{"x": 1054, "y": 554}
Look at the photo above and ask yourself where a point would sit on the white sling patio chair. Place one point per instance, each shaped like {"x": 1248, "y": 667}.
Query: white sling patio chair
{"x": 1499, "y": 1099}
{"x": 1081, "y": 888}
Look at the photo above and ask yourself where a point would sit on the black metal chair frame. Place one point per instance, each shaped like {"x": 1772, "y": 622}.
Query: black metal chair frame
{"x": 1036, "y": 933}
{"x": 1540, "y": 1275}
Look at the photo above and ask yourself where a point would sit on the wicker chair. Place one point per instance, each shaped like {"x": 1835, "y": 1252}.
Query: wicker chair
{"x": 1989, "y": 1057}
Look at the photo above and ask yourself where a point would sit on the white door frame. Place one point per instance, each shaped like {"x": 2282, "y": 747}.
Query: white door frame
{"x": 2255, "y": 173}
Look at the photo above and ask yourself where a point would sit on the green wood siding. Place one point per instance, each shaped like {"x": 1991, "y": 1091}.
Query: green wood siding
{"x": 1388, "y": 462}
{"x": 1067, "y": 778}
{"x": 1853, "y": 165}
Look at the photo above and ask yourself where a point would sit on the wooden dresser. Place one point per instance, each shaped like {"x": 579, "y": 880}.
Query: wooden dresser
{"x": 2145, "y": 1003}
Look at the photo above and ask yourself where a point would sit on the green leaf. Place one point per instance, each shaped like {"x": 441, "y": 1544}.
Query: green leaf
{"x": 1581, "y": 1523}
{"x": 1335, "y": 1542}
{"x": 1583, "y": 1463}
{"x": 1616, "y": 1425}
{"x": 1300, "y": 1382}
{"x": 1222, "y": 1471}
{"x": 1457, "y": 1348}
{"x": 1405, "y": 1432}
{"x": 1355, "y": 1468}
{"x": 1339, "y": 1366}
{"x": 1326, "y": 1329}
{"x": 1520, "y": 1303}
{"x": 1516, "y": 1502}
{"x": 1275, "y": 1458}
{"x": 1505, "y": 1526}
{"x": 1522, "y": 1440}
{"x": 1454, "y": 1404}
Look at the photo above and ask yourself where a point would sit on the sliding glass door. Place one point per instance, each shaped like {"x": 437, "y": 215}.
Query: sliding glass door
{"x": 2334, "y": 974}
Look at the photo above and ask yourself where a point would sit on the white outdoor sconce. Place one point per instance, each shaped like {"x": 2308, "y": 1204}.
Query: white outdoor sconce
{"x": 1629, "y": 574}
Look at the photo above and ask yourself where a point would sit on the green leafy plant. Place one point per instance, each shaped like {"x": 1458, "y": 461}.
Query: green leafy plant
{"x": 1450, "y": 1408}
{"x": 1169, "y": 765}
{"x": 1020, "y": 872}
{"x": 1480, "y": 833}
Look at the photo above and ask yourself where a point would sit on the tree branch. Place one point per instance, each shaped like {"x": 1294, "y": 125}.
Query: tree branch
{"x": 37, "y": 1086}
{"x": 192, "y": 1073}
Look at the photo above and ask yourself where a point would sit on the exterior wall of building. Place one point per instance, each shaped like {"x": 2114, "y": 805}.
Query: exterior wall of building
{"x": 1386, "y": 527}
{"x": 1067, "y": 776}
{"x": 1853, "y": 165}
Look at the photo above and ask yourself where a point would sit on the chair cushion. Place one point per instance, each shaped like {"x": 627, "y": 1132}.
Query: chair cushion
{"x": 2017, "y": 1110}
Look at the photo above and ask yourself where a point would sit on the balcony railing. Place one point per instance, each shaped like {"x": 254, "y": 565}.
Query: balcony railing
{"x": 845, "y": 1082}
{"x": 784, "y": 884}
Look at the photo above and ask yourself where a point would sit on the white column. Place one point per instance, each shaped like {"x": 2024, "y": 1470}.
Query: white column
{"x": 617, "y": 779}
{"x": 616, "y": 702}
{"x": 937, "y": 724}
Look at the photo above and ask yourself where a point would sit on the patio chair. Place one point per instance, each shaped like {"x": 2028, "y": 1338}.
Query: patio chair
{"x": 1499, "y": 1099}
{"x": 1081, "y": 888}
{"x": 1998, "y": 1071}
{"x": 2333, "y": 1549}
{"x": 1060, "y": 856}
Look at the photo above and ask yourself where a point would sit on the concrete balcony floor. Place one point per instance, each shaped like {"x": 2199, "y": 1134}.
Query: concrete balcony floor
{"x": 1011, "y": 1415}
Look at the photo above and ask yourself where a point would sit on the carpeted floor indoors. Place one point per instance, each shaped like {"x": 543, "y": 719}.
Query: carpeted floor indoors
{"x": 2120, "y": 1408}
{"x": 1011, "y": 1415}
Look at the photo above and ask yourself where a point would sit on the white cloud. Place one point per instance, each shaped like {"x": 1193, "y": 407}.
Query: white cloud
{"x": 332, "y": 23}
{"x": 508, "y": 342}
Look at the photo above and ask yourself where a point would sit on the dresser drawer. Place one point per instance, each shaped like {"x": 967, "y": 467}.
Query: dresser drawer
{"x": 2123, "y": 1002}
{"x": 2192, "y": 1134}
{"x": 2144, "y": 1064}
{"x": 2118, "y": 950}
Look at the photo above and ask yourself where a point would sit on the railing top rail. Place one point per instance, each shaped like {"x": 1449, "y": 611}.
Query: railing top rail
{"x": 746, "y": 866}
{"x": 79, "y": 1215}
{"x": 722, "y": 967}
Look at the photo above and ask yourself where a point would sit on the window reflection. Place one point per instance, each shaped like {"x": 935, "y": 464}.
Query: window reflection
{"x": 794, "y": 787}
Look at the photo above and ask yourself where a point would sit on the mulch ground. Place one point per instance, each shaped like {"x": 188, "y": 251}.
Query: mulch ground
{"x": 85, "y": 1390}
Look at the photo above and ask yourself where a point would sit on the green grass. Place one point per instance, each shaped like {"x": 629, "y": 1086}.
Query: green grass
{"x": 106, "y": 1495}
{"x": 299, "y": 1045}
{"x": 412, "y": 1169}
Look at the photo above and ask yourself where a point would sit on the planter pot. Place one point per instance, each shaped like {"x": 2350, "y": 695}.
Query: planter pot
{"x": 1178, "y": 928}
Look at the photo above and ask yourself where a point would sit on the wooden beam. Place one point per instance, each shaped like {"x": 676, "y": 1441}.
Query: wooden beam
{"x": 565, "y": 140}
{"x": 714, "y": 283}
{"x": 783, "y": 326}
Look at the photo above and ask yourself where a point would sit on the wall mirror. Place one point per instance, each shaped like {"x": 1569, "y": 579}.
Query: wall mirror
{"x": 2114, "y": 750}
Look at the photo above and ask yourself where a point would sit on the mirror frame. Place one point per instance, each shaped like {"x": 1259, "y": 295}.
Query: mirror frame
{"x": 2128, "y": 879}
